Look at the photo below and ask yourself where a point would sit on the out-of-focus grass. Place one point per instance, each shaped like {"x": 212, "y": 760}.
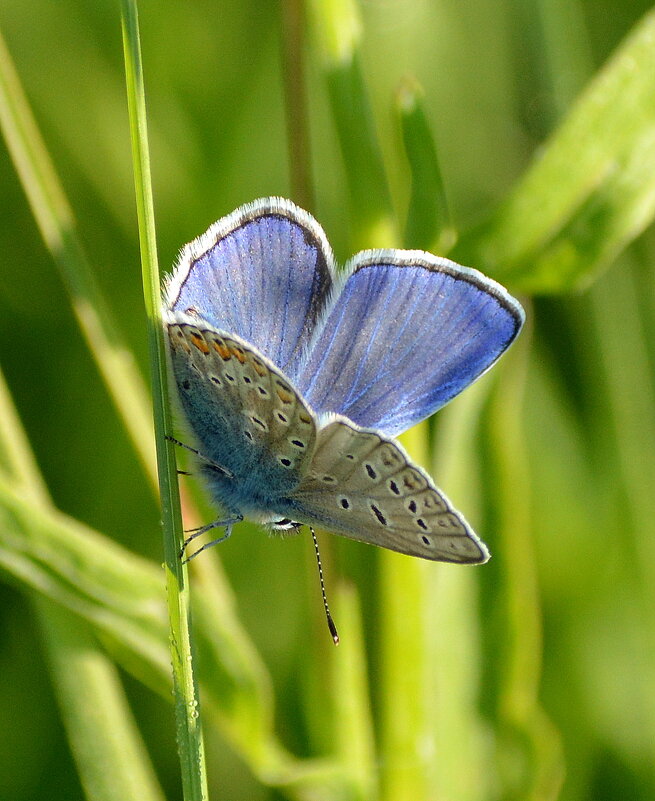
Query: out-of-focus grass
{"x": 450, "y": 683}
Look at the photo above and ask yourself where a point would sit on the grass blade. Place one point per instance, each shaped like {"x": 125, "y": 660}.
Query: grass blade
{"x": 337, "y": 31}
{"x": 530, "y": 760}
{"x": 120, "y": 596}
{"x": 354, "y": 725}
{"x": 295, "y": 103}
{"x": 111, "y": 758}
{"x": 189, "y": 729}
{"x": 56, "y": 223}
{"x": 591, "y": 190}
{"x": 453, "y": 638}
{"x": 428, "y": 222}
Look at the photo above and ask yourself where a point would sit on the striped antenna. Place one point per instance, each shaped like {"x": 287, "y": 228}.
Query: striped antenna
{"x": 330, "y": 622}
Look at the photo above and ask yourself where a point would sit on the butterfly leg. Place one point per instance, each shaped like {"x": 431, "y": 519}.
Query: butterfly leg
{"x": 198, "y": 531}
{"x": 215, "y": 466}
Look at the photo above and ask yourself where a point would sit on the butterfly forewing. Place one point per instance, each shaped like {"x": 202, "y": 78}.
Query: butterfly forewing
{"x": 406, "y": 333}
{"x": 363, "y": 486}
{"x": 245, "y": 413}
{"x": 264, "y": 272}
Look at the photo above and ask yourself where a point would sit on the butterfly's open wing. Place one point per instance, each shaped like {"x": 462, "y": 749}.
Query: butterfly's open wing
{"x": 263, "y": 272}
{"x": 363, "y": 486}
{"x": 407, "y": 333}
{"x": 246, "y": 416}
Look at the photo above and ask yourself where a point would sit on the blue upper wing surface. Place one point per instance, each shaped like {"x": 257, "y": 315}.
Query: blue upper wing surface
{"x": 407, "y": 333}
{"x": 264, "y": 272}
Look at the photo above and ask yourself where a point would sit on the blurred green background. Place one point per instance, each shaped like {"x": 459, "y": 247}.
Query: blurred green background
{"x": 532, "y": 677}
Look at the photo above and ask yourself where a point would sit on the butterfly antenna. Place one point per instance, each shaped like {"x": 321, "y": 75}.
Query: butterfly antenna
{"x": 330, "y": 622}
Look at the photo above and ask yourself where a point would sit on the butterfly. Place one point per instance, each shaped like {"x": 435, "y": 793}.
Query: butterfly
{"x": 294, "y": 377}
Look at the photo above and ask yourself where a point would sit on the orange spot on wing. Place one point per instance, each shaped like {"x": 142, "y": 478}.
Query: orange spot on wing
{"x": 260, "y": 369}
{"x": 284, "y": 396}
{"x": 222, "y": 350}
{"x": 238, "y": 353}
{"x": 304, "y": 418}
{"x": 200, "y": 343}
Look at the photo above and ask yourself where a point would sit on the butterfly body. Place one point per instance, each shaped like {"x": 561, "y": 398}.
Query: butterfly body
{"x": 294, "y": 378}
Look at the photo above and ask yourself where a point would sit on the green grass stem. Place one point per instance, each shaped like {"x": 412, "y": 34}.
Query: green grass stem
{"x": 531, "y": 763}
{"x": 428, "y": 224}
{"x": 336, "y": 29}
{"x": 187, "y": 706}
{"x": 295, "y": 104}
{"x": 579, "y": 205}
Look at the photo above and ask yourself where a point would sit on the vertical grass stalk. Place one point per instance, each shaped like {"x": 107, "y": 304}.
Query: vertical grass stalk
{"x": 295, "y": 103}
{"x": 428, "y": 224}
{"x": 189, "y": 731}
{"x": 530, "y": 766}
{"x": 337, "y": 32}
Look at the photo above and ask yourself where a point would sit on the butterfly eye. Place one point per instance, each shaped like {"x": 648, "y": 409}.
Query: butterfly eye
{"x": 286, "y": 524}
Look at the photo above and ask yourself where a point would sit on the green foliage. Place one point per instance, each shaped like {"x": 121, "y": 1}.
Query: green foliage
{"x": 529, "y": 678}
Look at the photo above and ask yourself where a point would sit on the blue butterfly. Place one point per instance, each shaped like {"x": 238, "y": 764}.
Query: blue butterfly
{"x": 294, "y": 377}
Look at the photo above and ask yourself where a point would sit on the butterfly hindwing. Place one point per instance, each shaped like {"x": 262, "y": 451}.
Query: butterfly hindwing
{"x": 244, "y": 412}
{"x": 363, "y": 486}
